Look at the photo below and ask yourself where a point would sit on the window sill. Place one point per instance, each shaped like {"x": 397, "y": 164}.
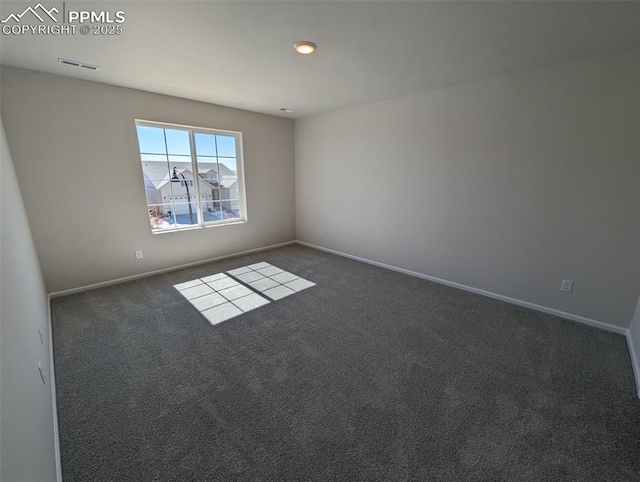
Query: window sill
{"x": 194, "y": 228}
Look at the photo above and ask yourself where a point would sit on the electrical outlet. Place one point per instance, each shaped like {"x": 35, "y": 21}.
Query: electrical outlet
{"x": 567, "y": 285}
{"x": 138, "y": 254}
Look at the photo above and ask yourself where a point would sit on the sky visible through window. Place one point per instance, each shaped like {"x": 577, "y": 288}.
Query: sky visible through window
{"x": 210, "y": 148}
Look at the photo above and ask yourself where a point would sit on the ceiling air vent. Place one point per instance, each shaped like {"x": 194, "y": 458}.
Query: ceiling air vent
{"x": 75, "y": 63}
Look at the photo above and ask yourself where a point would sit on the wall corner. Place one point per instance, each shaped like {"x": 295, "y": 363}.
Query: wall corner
{"x": 633, "y": 340}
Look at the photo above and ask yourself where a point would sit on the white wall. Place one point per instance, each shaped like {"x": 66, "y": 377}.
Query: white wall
{"x": 26, "y": 418}
{"x": 76, "y": 155}
{"x": 507, "y": 185}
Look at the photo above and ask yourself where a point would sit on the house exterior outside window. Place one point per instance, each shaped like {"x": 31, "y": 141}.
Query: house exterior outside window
{"x": 193, "y": 177}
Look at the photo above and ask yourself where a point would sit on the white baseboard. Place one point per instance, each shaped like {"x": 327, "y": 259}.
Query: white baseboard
{"x": 102, "y": 284}
{"x": 569, "y": 316}
{"x": 54, "y": 405}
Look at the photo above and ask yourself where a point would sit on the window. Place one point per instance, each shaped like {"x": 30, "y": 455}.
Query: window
{"x": 193, "y": 177}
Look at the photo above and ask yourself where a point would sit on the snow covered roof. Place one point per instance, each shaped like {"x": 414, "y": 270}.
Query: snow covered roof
{"x": 157, "y": 174}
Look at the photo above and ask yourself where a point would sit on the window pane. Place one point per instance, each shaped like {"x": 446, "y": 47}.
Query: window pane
{"x": 178, "y": 142}
{"x": 185, "y": 213}
{"x": 205, "y": 144}
{"x": 228, "y": 183}
{"x": 208, "y": 170}
{"x": 151, "y": 140}
{"x": 213, "y": 213}
{"x": 226, "y": 146}
{"x": 185, "y": 161}
{"x": 160, "y": 216}
{"x": 156, "y": 179}
{"x": 229, "y": 163}
{"x": 209, "y": 161}
{"x": 155, "y": 170}
{"x": 154, "y": 157}
{"x": 228, "y": 186}
{"x": 231, "y": 208}
{"x": 185, "y": 188}
{"x": 179, "y": 173}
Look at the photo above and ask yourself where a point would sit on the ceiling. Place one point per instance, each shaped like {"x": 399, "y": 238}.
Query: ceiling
{"x": 240, "y": 54}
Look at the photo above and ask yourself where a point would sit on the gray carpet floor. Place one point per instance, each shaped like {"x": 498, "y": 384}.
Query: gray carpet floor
{"x": 370, "y": 375}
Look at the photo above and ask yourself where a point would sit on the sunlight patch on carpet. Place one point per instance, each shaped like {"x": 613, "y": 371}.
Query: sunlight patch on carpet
{"x": 220, "y": 297}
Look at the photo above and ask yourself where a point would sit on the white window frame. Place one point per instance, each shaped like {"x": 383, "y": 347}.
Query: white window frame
{"x": 242, "y": 199}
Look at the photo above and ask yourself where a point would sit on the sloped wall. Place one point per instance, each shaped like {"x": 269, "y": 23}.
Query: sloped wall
{"x": 26, "y": 420}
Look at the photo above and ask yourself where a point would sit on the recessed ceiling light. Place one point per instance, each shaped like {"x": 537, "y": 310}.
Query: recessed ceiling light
{"x": 305, "y": 47}
{"x": 285, "y": 109}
